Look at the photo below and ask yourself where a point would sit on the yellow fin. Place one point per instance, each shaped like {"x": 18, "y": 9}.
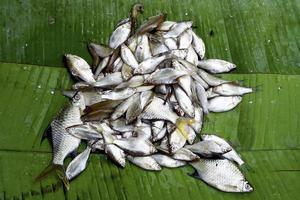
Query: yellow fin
{"x": 181, "y": 124}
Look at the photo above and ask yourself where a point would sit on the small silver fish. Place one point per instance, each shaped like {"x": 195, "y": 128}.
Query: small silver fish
{"x": 171, "y": 43}
{"x": 128, "y": 57}
{"x": 135, "y": 146}
{"x": 142, "y": 51}
{"x": 223, "y": 104}
{"x": 210, "y": 94}
{"x": 229, "y": 89}
{"x": 221, "y": 174}
{"x": 118, "y": 95}
{"x": 120, "y": 35}
{"x": 80, "y": 68}
{"x": 149, "y": 65}
{"x": 121, "y": 126}
{"x": 202, "y": 98}
{"x": 184, "y": 101}
{"x": 145, "y": 162}
{"x": 84, "y": 131}
{"x": 208, "y": 148}
{"x": 198, "y": 44}
{"x": 165, "y": 26}
{"x": 231, "y": 155}
{"x": 185, "y": 155}
{"x": 122, "y": 108}
{"x": 176, "y": 141}
{"x": 210, "y": 79}
{"x": 101, "y": 50}
{"x": 166, "y": 161}
{"x": 178, "y": 28}
{"x": 216, "y": 65}
{"x": 116, "y": 154}
{"x": 78, "y": 164}
{"x": 192, "y": 56}
{"x": 165, "y": 76}
{"x": 135, "y": 81}
{"x": 103, "y": 63}
{"x": 109, "y": 80}
{"x": 126, "y": 71}
{"x": 134, "y": 110}
{"x": 185, "y": 40}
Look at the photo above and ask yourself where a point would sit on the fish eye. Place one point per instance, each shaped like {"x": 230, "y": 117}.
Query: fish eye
{"x": 76, "y": 97}
{"x": 248, "y": 187}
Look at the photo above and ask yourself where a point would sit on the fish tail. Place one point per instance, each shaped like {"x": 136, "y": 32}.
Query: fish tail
{"x": 257, "y": 88}
{"x": 47, "y": 134}
{"x": 246, "y": 168}
{"x": 60, "y": 172}
{"x": 181, "y": 124}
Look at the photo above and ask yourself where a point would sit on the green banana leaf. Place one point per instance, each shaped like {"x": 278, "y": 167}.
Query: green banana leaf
{"x": 261, "y": 36}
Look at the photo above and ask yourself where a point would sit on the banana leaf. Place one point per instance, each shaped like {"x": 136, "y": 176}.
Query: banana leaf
{"x": 260, "y": 36}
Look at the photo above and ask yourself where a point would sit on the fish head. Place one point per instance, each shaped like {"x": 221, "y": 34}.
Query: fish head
{"x": 230, "y": 66}
{"x": 246, "y": 187}
{"x": 78, "y": 100}
{"x": 138, "y": 7}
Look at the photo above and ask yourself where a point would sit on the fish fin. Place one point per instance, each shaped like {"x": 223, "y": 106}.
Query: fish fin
{"x": 246, "y": 168}
{"x": 73, "y": 154}
{"x": 58, "y": 169}
{"x": 194, "y": 174}
{"x": 257, "y": 88}
{"x": 181, "y": 124}
{"x": 47, "y": 134}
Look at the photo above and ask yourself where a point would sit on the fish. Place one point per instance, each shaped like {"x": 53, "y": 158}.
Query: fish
{"x": 165, "y": 26}
{"x": 142, "y": 51}
{"x": 118, "y": 95}
{"x": 157, "y": 109}
{"x": 198, "y": 44}
{"x": 128, "y": 57}
{"x": 210, "y": 79}
{"x": 116, "y": 154}
{"x": 230, "y": 89}
{"x": 223, "y": 104}
{"x": 221, "y": 174}
{"x": 177, "y": 29}
{"x": 157, "y": 47}
{"x": 63, "y": 143}
{"x": 151, "y": 24}
{"x": 208, "y": 148}
{"x": 120, "y": 35}
{"x": 121, "y": 126}
{"x": 202, "y": 98}
{"x": 126, "y": 71}
{"x": 135, "y": 81}
{"x": 171, "y": 43}
{"x": 134, "y": 110}
{"x": 135, "y": 11}
{"x": 136, "y": 146}
{"x": 166, "y": 161}
{"x": 184, "y": 101}
{"x": 197, "y": 126}
{"x": 84, "y": 131}
{"x": 143, "y": 130}
{"x": 103, "y": 63}
{"x": 164, "y": 76}
{"x": 79, "y": 68}
{"x": 185, "y": 154}
{"x": 101, "y": 50}
{"x": 122, "y": 107}
{"x": 176, "y": 141}
{"x": 78, "y": 164}
{"x": 185, "y": 40}
{"x": 216, "y": 65}
{"x": 230, "y": 155}
{"x": 109, "y": 80}
{"x": 145, "y": 162}
{"x": 192, "y": 56}
{"x": 149, "y": 65}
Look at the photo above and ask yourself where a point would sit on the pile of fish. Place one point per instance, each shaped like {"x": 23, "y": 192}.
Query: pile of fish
{"x": 143, "y": 100}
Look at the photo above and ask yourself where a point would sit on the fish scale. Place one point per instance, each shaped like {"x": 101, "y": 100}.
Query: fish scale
{"x": 63, "y": 142}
